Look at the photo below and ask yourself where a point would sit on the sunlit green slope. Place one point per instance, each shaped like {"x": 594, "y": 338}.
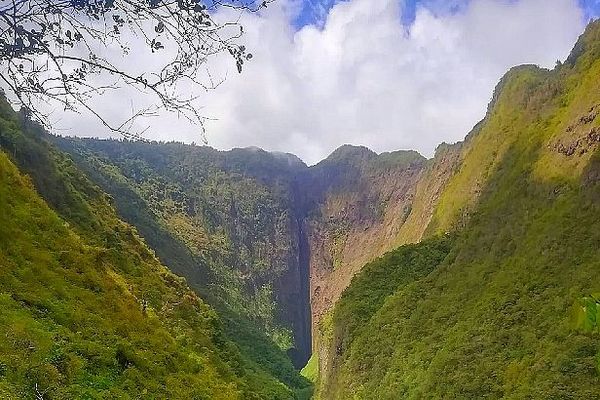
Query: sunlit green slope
{"x": 507, "y": 305}
{"x": 86, "y": 309}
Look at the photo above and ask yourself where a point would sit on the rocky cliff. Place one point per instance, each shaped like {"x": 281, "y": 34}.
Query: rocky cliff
{"x": 357, "y": 202}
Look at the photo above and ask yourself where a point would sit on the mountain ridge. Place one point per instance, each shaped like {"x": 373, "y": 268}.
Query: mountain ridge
{"x": 355, "y": 204}
{"x": 88, "y": 309}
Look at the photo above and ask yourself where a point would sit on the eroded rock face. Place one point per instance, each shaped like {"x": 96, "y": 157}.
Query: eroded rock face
{"x": 356, "y": 204}
{"x": 345, "y": 232}
{"x": 434, "y": 179}
{"x": 581, "y": 136}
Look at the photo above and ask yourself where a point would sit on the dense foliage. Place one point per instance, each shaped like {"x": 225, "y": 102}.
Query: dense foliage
{"x": 380, "y": 279}
{"x": 224, "y": 220}
{"x": 511, "y": 312}
{"x": 88, "y": 311}
{"x": 242, "y": 224}
{"x": 501, "y": 300}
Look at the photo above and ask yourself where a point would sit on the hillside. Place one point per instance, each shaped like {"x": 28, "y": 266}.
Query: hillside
{"x": 504, "y": 307}
{"x": 89, "y": 311}
{"x": 356, "y": 203}
{"x": 224, "y": 220}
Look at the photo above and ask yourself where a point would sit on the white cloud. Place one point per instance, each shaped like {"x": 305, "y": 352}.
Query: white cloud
{"x": 363, "y": 78}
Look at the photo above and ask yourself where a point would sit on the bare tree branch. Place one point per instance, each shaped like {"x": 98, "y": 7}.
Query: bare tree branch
{"x": 58, "y": 52}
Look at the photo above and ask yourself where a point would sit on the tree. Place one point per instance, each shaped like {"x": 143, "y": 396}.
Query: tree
{"x": 63, "y": 52}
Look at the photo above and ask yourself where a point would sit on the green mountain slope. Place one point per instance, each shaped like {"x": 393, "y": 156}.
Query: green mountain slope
{"x": 511, "y": 311}
{"x": 88, "y": 311}
{"x": 356, "y": 202}
{"x": 225, "y": 220}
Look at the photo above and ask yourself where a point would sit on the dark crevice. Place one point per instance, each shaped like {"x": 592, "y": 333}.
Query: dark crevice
{"x": 304, "y": 339}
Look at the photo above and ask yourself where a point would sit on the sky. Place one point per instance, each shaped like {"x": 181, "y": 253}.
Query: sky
{"x": 387, "y": 74}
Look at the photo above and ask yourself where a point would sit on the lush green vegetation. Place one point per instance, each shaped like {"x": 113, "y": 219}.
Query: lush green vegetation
{"x": 224, "y": 220}
{"x": 380, "y": 279}
{"x": 511, "y": 311}
{"x": 230, "y": 221}
{"x": 509, "y": 315}
{"x": 88, "y": 311}
{"x": 502, "y": 300}
{"x": 311, "y": 369}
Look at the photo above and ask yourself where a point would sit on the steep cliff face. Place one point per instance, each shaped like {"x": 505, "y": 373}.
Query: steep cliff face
{"x": 356, "y": 204}
{"x": 403, "y": 187}
{"x": 227, "y": 221}
{"x": 429, "y": 189}
{"x": 500, "y": 300}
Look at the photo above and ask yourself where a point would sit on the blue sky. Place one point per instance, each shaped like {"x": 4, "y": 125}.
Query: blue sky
{"x": 314, "y": 12}
{"x": 591, "y": 7}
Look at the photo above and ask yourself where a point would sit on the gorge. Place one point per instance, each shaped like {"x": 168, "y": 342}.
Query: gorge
{"x": 297, "y": 225}
{"x": 473, "y": 274}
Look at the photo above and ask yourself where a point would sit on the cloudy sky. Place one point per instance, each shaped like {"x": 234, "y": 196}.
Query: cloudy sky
{"x": 388, "y": 74}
